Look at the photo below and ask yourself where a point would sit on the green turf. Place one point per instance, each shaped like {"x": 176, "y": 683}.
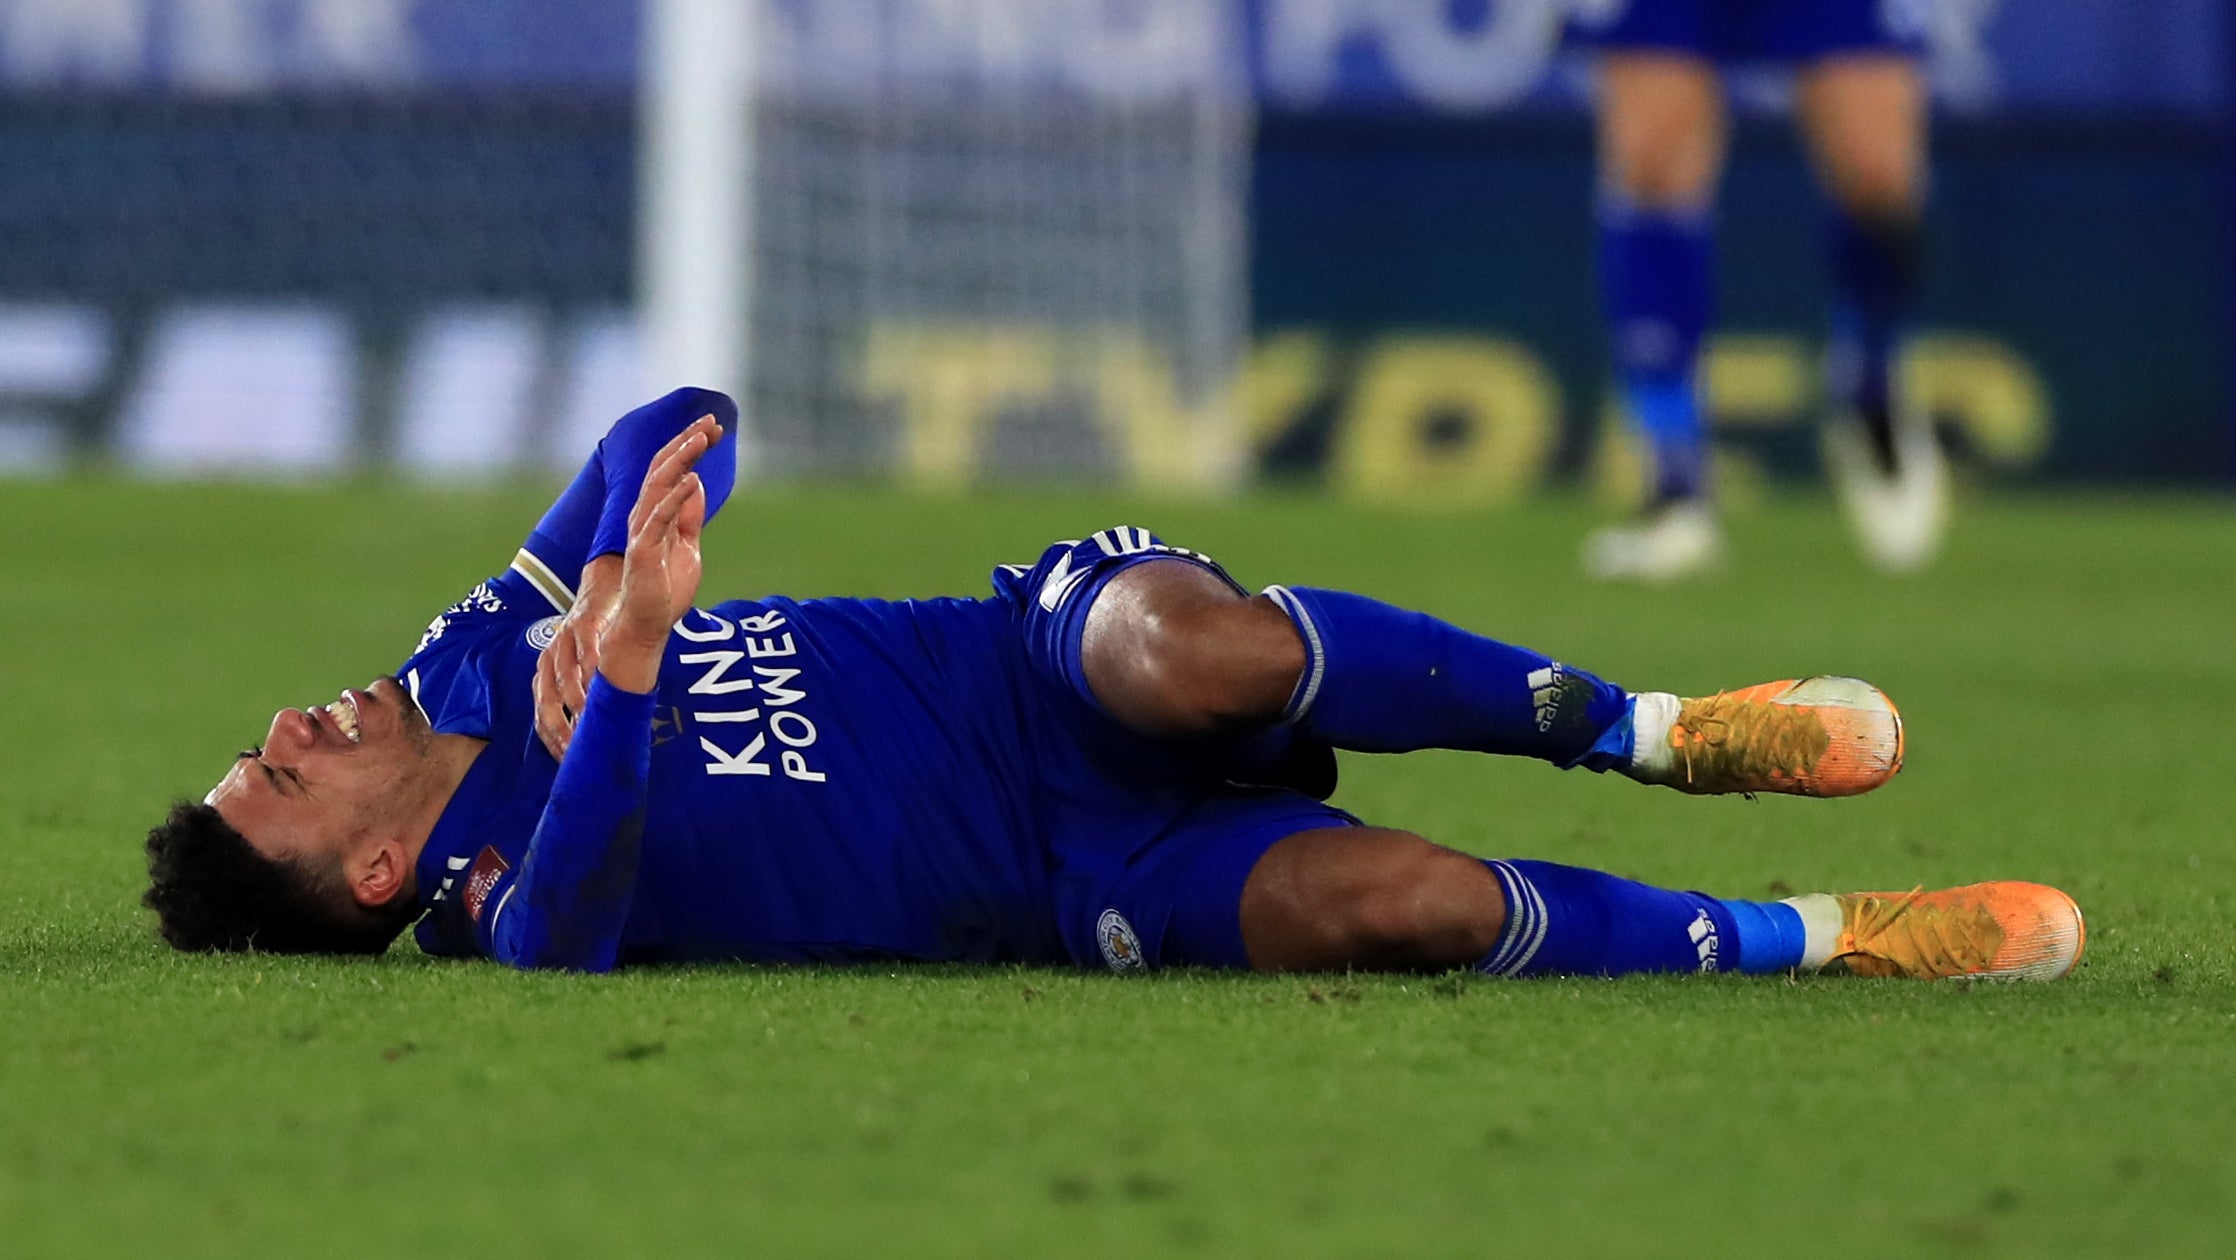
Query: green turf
{"x": 2067, "y": 674}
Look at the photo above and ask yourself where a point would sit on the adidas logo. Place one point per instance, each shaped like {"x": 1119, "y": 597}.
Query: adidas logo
{"x": 1544, "y": 693}
{"x": 1702, "y": 930}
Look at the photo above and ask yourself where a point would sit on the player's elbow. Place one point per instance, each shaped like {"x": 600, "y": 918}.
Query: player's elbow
{"x": 682, "y": 406}
{"x": 650, "y": 427}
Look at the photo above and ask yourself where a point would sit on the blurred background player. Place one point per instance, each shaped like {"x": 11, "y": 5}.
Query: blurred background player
{"x": 1663, "y": 129}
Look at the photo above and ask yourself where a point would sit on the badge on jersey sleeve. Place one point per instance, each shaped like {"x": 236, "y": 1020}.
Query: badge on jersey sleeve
{"x": 480, "y": 880}
{"x": 543, "y": 633}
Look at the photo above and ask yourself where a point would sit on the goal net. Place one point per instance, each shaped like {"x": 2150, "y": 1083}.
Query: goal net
{"x": 975, "y": 238}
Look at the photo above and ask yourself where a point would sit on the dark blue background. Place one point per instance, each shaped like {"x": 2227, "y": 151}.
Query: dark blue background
{"x": 2086, "y": 222}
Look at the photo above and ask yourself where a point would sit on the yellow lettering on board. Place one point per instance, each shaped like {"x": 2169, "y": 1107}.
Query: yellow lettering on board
{"x": 1505, "y": 409}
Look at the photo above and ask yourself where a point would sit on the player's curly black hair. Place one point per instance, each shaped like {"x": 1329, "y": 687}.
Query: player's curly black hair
{"x": 211, "y": 890}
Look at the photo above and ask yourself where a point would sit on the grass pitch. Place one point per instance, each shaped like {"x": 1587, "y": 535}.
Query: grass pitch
{"x": 2067, "y": 674}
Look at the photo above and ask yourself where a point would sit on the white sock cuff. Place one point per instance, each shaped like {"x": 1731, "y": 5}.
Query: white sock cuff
{"x": 1820, "y": 927}
{"x": 1652, "y": 715}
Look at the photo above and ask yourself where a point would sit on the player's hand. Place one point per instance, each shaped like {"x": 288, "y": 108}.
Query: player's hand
{"x": 563, "y": 669}
{"x": 660, "y": 570}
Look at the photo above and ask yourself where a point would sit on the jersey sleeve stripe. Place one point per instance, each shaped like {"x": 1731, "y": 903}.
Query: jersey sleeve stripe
{"x": 546, "y": 582}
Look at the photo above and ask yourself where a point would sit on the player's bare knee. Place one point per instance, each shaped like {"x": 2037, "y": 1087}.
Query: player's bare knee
{"x": 1880, "y": 187}
{"x": 1657, "y": 171}
{"x": 1219, "y": 666}
{"x": 1661, "y": 131}
{"x": 1440, "y": 909}
{"x": 1242, "y": 660}
{"x": 1172, "y": 650}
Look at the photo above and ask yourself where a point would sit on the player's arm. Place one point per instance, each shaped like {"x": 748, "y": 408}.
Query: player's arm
{"x": 570, "y": 900}
{"x": 573, "y": 558}
{"x": 591, "y": 517}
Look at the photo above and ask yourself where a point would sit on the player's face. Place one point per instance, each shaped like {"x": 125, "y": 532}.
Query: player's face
{"x": 326, "y": 777}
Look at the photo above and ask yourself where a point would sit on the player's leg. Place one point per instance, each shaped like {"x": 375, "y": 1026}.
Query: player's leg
{"x": 1175, "y": 650}
{"x": 1172, "y": 649}
{"x": 1373, "y": 899}
{"x": 1864, "y": 115}
{"x": 1368, "y": 898}
{"x": 1662, "y": 134}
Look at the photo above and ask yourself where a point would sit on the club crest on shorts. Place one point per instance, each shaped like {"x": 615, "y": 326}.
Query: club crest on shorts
{"x": 1121, "y": 949}
{"x": 543, "y": 633}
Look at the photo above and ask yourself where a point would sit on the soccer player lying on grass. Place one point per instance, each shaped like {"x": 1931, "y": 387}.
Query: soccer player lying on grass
{"x": 1119, "y": 758}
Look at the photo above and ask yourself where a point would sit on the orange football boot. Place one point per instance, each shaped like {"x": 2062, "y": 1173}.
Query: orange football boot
{"x": 2005, "y": 930}
{"x": 1822, "y": 736}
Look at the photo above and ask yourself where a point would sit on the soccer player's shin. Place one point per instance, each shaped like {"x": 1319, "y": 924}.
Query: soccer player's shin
{"x": 1566, "y": 920}
{"x": 1657, "y": 290}
{"x": 1657, "y": 281}
{"x": 1876, "y": 263}
{"x": 1884, "y": 459}
{"x": 1379, "y": 678}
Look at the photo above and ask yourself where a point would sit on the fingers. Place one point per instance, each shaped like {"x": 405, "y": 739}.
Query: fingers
{"x": 675, "y": 460}
{"x": 551, "y": 720}
{"x": 660, "y": 565}
{"x": 658, "y": 527}
{"x": 691, "y": 443}
{"x": 693, "y": 517}
{"x": 563, "y": 673}
{"x": 574, "y": 681}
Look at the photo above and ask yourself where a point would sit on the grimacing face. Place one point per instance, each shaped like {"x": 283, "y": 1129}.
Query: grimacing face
{"x": 327, "y": 780}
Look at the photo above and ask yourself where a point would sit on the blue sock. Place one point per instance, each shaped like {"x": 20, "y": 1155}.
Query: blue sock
{"x": 1877, "y": 265}
{"x": 1383, "y": 679}
{"x": 1565, "y": 920}
{"x": 1657, "y": 275}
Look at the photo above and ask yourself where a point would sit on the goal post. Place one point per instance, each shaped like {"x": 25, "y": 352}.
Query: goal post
{"x": 695, "y": 209}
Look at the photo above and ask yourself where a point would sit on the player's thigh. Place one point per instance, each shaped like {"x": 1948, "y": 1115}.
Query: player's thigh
{"x": 1368, "y": 898}
{"x": 1171, "y": 648}
{"x": 1863, "y": 117}
{"x": 1663, "y": 126}
{"x": 1174, "y": 898}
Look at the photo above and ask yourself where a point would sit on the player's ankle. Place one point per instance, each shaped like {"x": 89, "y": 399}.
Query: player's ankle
{"x": 1653, "y": 715}
{"x": 1820, "y": 928}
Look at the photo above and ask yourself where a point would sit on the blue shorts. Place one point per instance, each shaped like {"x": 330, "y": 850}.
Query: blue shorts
{"x": 1152, "y": 840}
{"x": 1792, "y": 31}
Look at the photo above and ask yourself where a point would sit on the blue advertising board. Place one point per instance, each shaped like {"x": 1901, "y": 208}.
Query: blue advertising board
{"x": 1420, "y": 188}
{"x": 1421, "y": 56}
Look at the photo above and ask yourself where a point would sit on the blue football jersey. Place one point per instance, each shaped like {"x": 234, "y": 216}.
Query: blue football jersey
{"x": 1732, "y": 31}
{"x": 830, "y": 780}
